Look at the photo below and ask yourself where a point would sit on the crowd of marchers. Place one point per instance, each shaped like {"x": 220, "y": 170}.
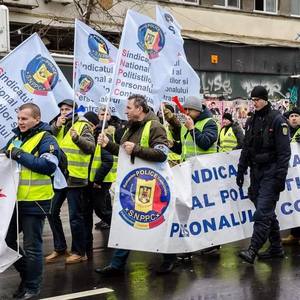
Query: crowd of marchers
{"x": 74, "y": 158}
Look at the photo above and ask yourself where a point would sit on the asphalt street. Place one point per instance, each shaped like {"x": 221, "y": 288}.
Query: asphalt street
{"x": 206, "y": 277}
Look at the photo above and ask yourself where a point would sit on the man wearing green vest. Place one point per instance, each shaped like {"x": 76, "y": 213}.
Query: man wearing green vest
{"x": 31, "y": 147}
{"x": 197, "y": 136}
{"x": 101, "y": 176}
{"x": 145, "y": 138}
{"x": 199, "y": 133}
{"x": 231, "y": 136}
{"x": 294, "y": 123}
{"x": 77, "y": 142}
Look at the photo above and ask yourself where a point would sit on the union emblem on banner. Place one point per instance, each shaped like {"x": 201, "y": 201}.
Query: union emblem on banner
{"x": 40, "y": 76}
{"x": 99, "y": 50}
{"x": 151, "y": 39}
{"x": 144, "y": 197}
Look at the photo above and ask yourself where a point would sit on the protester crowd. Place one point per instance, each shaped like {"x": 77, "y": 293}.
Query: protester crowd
{"x": 75, "y": 158}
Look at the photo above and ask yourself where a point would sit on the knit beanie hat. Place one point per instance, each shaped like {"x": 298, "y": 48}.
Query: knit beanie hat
{"x": 259, "y": 92}
{"x": 295, "y": 110}
{"x": 92, "y": 117}
{"x": 228, "y": 116}
{"x": 193, "y": 102}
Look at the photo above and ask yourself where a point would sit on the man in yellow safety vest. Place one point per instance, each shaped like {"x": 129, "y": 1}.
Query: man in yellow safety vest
{"x": 36, "y": 150}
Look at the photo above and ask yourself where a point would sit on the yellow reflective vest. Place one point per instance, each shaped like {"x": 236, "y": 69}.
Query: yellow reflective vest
{"x": 189, "y": 147}
{"x": 293, "y": 140}
{"x": 33, "y": 186}
{"x": 228, "y": 140}
{"x": 96, "y": 164}
{"x": 78, "y": 161}
{"x": 172, "y": 156}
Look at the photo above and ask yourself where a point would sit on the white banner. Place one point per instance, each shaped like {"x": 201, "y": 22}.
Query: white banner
{"x": 8, "y": 192}
{"x": 146, "y": 58}
{"x": 184, "y": 81}
{"x": 94, "y": 61}
{"x": 29, "y": 74}
{"x": 204, "y": 208}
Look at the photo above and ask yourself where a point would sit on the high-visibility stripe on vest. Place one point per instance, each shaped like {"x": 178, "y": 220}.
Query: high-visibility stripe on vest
{"x": 33, "y": 186}
{"x": 228, "y": 140}
{"x": 78, "y": 161}
{"x": 171, "y": 155}
{"x": 96, "y": 164}
{"x": 189, "y": 147}
{"x": 112, "y": 175}
{"x": 293, "y": 140}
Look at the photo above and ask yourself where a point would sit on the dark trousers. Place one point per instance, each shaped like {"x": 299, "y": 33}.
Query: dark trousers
{"x": 263, "y": 194}
{"x": 30, "y": 265}
{"x": 120, "y": 257}
{"x": 98, "y": 200}
{"x": 76, "y": 218}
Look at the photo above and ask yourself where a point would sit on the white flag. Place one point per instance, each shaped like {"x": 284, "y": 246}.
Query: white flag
{"x": 146, "y": 57}
{"x": 94, "y": 61}
{"x": 184, "y": 81}
{"x": 8, "y": 193}
{"x": 29, "y": 74}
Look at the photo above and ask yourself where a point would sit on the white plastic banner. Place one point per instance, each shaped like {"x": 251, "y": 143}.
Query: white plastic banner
{"x": 146, "y": 58}
{"x": 29, "y": 74}
{"x": 195, "y": 206}
{"x": 184, "y": 81}
{"x": 8, "y": 192}
{"x": 94, "y": 61}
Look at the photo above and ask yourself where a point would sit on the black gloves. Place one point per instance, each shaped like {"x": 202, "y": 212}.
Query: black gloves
{"x": 280, "y": 184}
{"x": 240, "y": 178}
{"x": 14, "y": 153}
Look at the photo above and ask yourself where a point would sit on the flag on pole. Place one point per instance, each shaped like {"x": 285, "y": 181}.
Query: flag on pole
{"x": 94, "y": 61}
{"x": 146, "y": 57}
{"x": 29, "y": 74}
{"x": 8, "y": 193}
{"x": 183, "y": 81}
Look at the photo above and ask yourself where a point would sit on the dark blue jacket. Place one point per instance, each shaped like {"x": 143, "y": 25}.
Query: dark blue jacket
{"x": 37, "y": 164}
{"x": 209, "y": 135}
{"x": 204, "y": 139}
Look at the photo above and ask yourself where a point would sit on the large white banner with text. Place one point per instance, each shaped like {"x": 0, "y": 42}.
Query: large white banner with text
{"x": 94, "y": 61}
{"x": 192, "y": 206}
{"x": 147, "y": 54}
{"x": 29, "y": 74}
{"x": 8, "y": 192}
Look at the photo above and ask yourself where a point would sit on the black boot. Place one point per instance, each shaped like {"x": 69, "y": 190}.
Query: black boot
{"x": 271, "y": 252}
{"x": 248, "y": 255}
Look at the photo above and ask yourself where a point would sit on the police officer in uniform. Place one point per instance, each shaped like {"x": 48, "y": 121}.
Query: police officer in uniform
{"x": 266, "y": 151}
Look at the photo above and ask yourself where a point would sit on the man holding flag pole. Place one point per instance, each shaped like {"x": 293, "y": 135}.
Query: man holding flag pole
{"x": 145, "y": 138}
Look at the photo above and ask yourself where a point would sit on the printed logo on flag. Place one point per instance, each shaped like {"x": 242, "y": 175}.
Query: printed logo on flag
{"x": 1, "y": 194}
{"x": 144, "y": 196}
{"x": 40, "y": 76}
{"x": 151, "y": 39}
{"x": 85, "y": 83}
{"x": 98, "y": 49}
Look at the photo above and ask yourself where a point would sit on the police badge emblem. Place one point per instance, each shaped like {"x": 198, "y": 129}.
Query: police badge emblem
{"x": 151, "y": 39}
{"x": 144, "y": 197}
{"x": 40, "y": 76}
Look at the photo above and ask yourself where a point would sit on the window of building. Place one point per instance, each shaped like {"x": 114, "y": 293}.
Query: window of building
{"x": 186, "y": 1}
{"x": 266, "y": 5}
{"x": 228, "y": 3}
{"x": 295, "y": 7}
